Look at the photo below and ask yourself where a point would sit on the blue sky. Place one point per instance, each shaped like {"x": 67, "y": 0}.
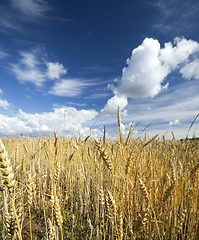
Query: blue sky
{"x": 68, "y": 65}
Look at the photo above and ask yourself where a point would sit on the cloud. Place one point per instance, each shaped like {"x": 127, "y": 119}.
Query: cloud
{"x": 171, "y": 56}
{"x": 55, "y": 70}
{"x": 68, "y": 87}
{"x": 8, "y": 19}
{"x": 27, "y": 70}
{"x": 31, "y": 8}
{"x": 65, "y": 120}
{"x": 174, "y": 123}
{"x": 96, "y": 95}
{"x": 3, "y": 103}
{"x": 148, "y": 67}
{"x": 113, "y": 104}
{"x": 14, "y": 12}
{"x": 191, "y": 70}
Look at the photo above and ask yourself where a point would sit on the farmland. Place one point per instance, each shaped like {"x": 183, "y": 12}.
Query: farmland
{"x": 57, "y": 188}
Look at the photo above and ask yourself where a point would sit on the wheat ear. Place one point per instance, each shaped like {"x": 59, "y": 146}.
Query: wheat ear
{"x": 111, "y": 206}
{"x": 58, "y": 215}
{"x": 141, "y": 221}
{"x": 128, "y": 164}
{"x": 151, "y": 140}
{"x": 120, "y": 226}
{"x": 144, "y": 191}
{"x": 51, "y": 230}
{"x": 168, "y": 192}
{"x": 8, "y": 178}
{"x": 120, "y": 139}
{"x": 104, "y": 155}
{"x": 11, "y": 224}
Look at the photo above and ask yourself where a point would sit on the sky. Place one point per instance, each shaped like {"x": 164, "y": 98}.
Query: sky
{"x": 66, "y": 66}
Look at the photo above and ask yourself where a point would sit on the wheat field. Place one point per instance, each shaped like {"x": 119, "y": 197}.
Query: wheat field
{"x": 57, "y": 188}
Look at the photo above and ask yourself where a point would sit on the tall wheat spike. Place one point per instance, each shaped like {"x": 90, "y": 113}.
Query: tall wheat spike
{"x": 119, "y": 125}
{"x": 56, "y": 146}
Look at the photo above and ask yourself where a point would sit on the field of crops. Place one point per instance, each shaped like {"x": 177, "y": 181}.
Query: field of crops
{"x": 56, "y": 188}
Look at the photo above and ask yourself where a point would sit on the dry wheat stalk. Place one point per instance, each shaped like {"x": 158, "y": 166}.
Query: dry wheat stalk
{"x": 173, "y": 136}
{"x": 151, "y": 140}
{"x": 30, "y": 201}
{"x": 129, "y": 136}
{"x": 29, "y": 190}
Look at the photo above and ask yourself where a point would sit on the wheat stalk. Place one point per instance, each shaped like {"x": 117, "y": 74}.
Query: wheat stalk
{"x": 30, "y": 201}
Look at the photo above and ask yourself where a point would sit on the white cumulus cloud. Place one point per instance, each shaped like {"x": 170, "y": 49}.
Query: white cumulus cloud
{"x": 174, "y": 122}
{"x": 4, "y": 104}
{"x": 65, "y": 120}
{"x": 148, "y": 67}
{"x": 113, "y": 104}
{"x": 55, "y": 70}
{"x": 191, "y": 70}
